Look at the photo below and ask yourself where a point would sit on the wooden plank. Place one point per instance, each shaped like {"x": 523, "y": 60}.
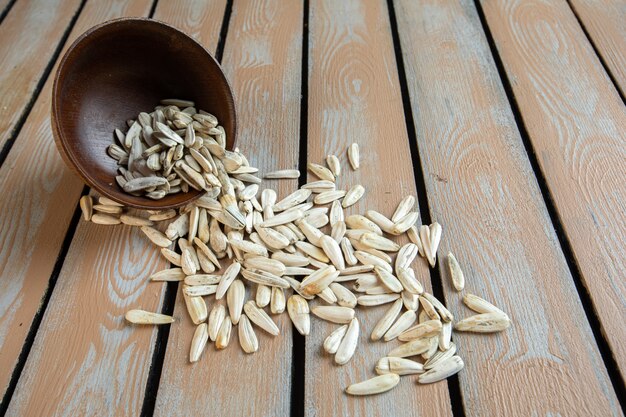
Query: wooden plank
{"x": 354, "y": 96}
{"x": 29, "y": 33}
{"x": 604, "y": 22}
{"x": 262, "y": 59}
{"x": 82, "y": 339}
{"x": 482, "y": 189}
{"x": 575, "y": 120}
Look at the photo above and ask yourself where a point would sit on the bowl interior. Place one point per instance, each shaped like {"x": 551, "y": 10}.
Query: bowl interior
{"x": 113, "y": 72}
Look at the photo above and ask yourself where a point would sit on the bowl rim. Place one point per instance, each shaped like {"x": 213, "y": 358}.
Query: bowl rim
{"x": 69, "y": 157}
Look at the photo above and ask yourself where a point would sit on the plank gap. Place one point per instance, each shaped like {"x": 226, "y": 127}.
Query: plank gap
{"x": 454, "y": 390}
{"x": 298, "y": 354}
{"x": 219, "y": 51}
{"x": 597, "y": 51}
{"x": 583, "y": 293}
{"x": 40, "y": 84}
{"x": 6, "y": 10}
{"x": 32, "y": 332}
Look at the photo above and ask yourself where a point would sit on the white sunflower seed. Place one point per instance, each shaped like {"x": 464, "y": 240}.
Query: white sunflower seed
{"x": 223, "y": 335}
{"x": 247, "y": 337}
{"x": 353, "y": 156}
{"x": 147, "y": 317}
{"x": 198, "y": 342}
{"x": 260, "y": 318}
{"x": 353, "y": 195}
{"x": 348, "y": 344}
{"x": 480, "y": 305}
{"x": 484, "y": 323}
{"x": 235, "y": 297}
{"x": 404, "y": 322}
{"x": 399, "y": 366}
{"x": 283, "y": 174}
{"x": 227, "y": 279}
{"x": 298, "y": 310}
{"x": 333, "y": 164}
{"x": 278, "y": 302}
{"x": 442, "y": 370}
{"x": 172, "y": 274}
{"x": 456, "y": 274}
{"x": 386, "y": 320}
{"x": 374, "y": 300}
{"x": 332, "y": 342}
{"x": 376, "y": 385}
{"x": 426, "y": 329}
{"x": 334, "y": 314}
{"x": 86, "y": 206}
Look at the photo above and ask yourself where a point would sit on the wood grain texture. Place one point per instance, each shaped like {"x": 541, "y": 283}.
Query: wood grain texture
{"x": 30, "y": 34}
{"x": 354, "y": 96}
{"x": 44, "y": 194}
{"x": 262, "y": 60}
{"x": 482, "y": 189}
{"x": 604, "y": 22}
{"x": 576, "y": 122}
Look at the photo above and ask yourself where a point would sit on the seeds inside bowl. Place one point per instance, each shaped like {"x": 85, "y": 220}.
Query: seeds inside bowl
{"x": 172, "y": 150}
{"x": 274, "y": 256}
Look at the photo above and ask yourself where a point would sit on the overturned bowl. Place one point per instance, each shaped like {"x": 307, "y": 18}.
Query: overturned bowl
{"x": 113, "y": 72}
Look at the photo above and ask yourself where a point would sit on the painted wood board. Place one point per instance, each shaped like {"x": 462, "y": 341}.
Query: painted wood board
{"x": 262, "y": 60}
{"x": 604, "y": 22}
{"x": 481, "y": 188}
{"x": 576, "y": 122}
{"x": 30, "y": 34}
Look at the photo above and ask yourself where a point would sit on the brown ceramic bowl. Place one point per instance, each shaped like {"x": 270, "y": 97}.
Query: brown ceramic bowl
{"x": 113, "y": 72}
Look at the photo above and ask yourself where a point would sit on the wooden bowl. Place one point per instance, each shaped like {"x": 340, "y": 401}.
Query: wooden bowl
{"x": 113, "y": 72}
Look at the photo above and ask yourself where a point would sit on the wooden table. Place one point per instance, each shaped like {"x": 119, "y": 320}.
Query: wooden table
{"x": 505, "y": 117}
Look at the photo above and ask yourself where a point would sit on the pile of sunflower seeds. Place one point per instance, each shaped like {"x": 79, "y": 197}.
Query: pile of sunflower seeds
{"x": 293, "y": 250}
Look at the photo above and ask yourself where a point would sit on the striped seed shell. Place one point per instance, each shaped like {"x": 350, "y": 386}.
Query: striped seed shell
{"x": 345, "y": 297}
{"x": 374, "y": 300}
{"x": 348, "y": 344}
{"x": 333, "y": 164}
{"x": 399, "y": 366}
{"x": 348, "y": 253}
{"x": 199, "y": 290}
{"x": 456, "y": 274}
{"x": 283, "y": 218}
{"x": 86, "y": 206}
{"x": 263, "y": 295}
{"x": 426, "y": 329}
{"x": 298, "y": 310}
{"x": 333, "y": 251}
{"x": 321, "y": 172}
{"x": 289, "y": 259}
{"x": 353, "y": 195}
{"x": 172, "y": 274}
{"x": 292, "y": 199}
{"x": 264, "y": 278}
{"x": 445, "y": 335}
{"x": 329, "y": 196}
{"x": 368, "y": 259}
{"x": 272, "y": 266}
{"x": 313, "y": 251}
{"x": 404, "y": 207}
{"x": 319, "y": 186}
{"x": 283, "y": 174}
{"x": 198, "y": 342}
{"x": 196, "y": 307}
{"x": 336, "y": 213}
{"x": 405, "y": 223}
{"x": 318, "y": 280}
{"x": 334, "y": 314}
{"x": 406, "y": 256}
{"x": 406, "y": 276}
{"x": 227, "y": 279}
{"x": 171, "y": 256}
{"x": 484, "y": 323}
{"x": 386, "y": 320}
{"x": 444, "y": 313}
{"x": 480, "y": 305}
{"x": 235, "y": 297}
{"x": 353, "y": 156}
{"x": 218, "y": 312}
{"x": 404, "y": 322}
{"x": 247, "y": 337}
{"x": 374, "y": 241}
{"x": 442, "y": 370}
{"x": 223, "y": 335}
{"x": 380, "y": 220}
{"x": 259, "y": 317}
{"x": 376, "y": 385}
{"x": 388, "y": 280}
{"x": 278, "y": 302}
{"x": 332, "y": 342}
{"x": 147, "y": 317}
{"x": 412, "y": 348}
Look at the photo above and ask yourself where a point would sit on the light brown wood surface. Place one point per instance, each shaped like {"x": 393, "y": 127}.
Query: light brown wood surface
{"x": 481, "y": 188}
{"x": 262, "y": 60}
{"x": 576, "y": 122}
{"x": 605, "y": 22}
{"x": 82, "y": 340}
{"x": 354, "y": 96}
{"x": 30, "y": 34}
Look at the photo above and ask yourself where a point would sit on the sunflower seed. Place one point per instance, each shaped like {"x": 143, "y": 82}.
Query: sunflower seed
{"x": 441, "y": 309}
{"x": 442, "y": 370}
{"x": 333, "y": 251}
{"x": 426, "y": 329}
{"x": 264, "y": 278}
{"x": 429, "y": 309}
{"x": 456, "y": 274}
{"x": 411, "y": 301}
{"x": 321, "y": 172}
{"x": 199, "y": 290}
{"x": 345, "y": 297}
{"x": 172, "y": 274}
{"x": 278, "y": 302}
{"x": 388, "y": 280}
{"x": 147, "y": 317}
{"x": 202, "y": 279}
{"x": 358, "y": 222}
{"x": 374, "y": 241}
{"x": 404, "y": 322}
{"x": 386, "y": 321}
{"x": 298, "y": 310}
{"x": 86, "y": 206}
{"x": 334, "y": 314}
{"x": 134, "y": 220}
{"x": 399, "y": 366}
{"x": 381, "y": 221}
{"x": 313, "y": 251}
{"x": 412, "y": 348}
{"x": 187, "y": 262}
{"x": 163, "y": 215}
{"x": 328, "y": 196}
{"x": 272, "y": 266}
{"x": 484, "y": 323}
{"x": 318, "y": 280}
{"x": 374, "y": 300}
{"x": 348, "y": 253}
{"x": 319, "y": 186}
{"x": 409, "y": 282}
{"x": 247, "y": 338}
{"x": 480, "y": 305}
{"x": 445, "y": 335}
{"x": 332, "y": 342}
{"x": 289, "y": 259}
{"x": 353, "y": 156}
{"x": 333, "y": 164}
{"x": 292, "y": 199}
{"x": 260, "y": 318}
{"x": 311, "y": 233}
{"x": 223, "y": 335}
{"x": 177, "y": 102}
{"x": 104, "y": 219}
{"x": 263, "y": 295}
{"x": 196, "y": 307}
{"x": 178, "y": 228}
{"x": 248, "y": 247}
{"x": 298, "y": 271}
{"x": 283, "y": 174}
{"x": 348, "y": 344}
{"x": 336, "y": 213}
{"x": 353, "y": 195}
{"x": 435, "y": 238}
{"x": 405, "y": 223}
{"x": 440, "y": 356}
{"x": 283, "y": 218}
{"x": 199, "y": 341}
{"x": 227, "y": 279}
{"x": 406, "y": 256}
{"x": 376, "y": 385}
{"x": 404, "y": 207}
{"x": 235, "y": 297}
{"x": 369, "y": 259}
{"x": 142, "y": 183}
